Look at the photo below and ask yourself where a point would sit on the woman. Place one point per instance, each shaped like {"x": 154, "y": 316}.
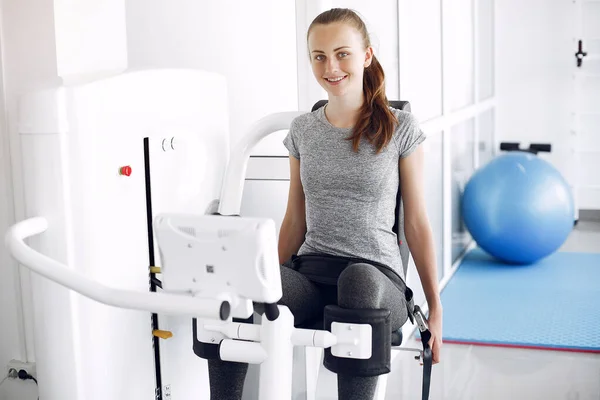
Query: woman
{"x": 346, "y": 160}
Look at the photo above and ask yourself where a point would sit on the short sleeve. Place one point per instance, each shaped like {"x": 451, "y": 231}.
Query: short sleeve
{"x": 291, "y": 140}
{"x": 410, "y": 135}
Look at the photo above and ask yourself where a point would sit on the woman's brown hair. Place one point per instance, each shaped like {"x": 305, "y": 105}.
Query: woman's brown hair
{"x": 376, "y": 122}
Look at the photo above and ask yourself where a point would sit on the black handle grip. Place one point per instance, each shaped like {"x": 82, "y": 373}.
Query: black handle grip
{"x": 271, "y": 311}
{"x": 534, "y": 148}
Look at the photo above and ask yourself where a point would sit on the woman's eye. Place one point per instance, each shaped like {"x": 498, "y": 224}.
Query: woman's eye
{"x": 342, "y": 55}
{"x": 319, "y": 58}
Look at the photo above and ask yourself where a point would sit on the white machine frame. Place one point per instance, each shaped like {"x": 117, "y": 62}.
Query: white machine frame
{"x": 225, "y": 251}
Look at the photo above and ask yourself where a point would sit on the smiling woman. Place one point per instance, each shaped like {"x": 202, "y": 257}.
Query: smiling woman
{"x": 343, "y": 63}
{"x": 347, "y": 160}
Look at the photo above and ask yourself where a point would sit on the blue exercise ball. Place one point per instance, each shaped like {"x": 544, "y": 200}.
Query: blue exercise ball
{"x": 518, "y": 208}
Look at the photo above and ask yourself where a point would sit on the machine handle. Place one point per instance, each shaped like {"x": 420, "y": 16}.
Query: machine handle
{"x": 146, "y": 301}
{"x": 233, "y": 181}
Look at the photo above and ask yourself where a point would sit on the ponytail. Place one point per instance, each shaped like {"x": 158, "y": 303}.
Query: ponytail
{"x": 376, "y": 122}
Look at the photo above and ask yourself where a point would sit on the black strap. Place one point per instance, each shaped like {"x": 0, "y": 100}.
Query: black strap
{"x": 427, "y": 363}
{"x": 427, "y": 353}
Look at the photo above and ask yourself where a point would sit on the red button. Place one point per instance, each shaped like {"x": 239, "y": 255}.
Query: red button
{"x": 125, "y": 171}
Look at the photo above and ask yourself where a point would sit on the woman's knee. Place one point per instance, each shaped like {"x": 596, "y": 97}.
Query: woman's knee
{"x": 365, "y": 286}
{"x": 359, "y": 274}
{"x": 360, "y": 286}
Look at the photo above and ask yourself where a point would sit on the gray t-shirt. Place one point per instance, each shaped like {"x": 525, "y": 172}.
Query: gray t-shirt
{"x": 350, "y": 197}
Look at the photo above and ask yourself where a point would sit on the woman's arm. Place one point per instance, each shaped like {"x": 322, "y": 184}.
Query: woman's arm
{"x": 420, "y": 239}
{"x": 293, "y": 227}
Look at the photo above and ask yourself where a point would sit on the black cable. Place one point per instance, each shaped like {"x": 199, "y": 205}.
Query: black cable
{"x": 23, "y": 375}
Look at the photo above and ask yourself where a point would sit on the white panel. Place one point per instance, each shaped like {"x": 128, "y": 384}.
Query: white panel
{"x": 535, "y": 93}
{"x": 589, "y": 134}
{"x": 590, "y": 94}
{"x": 186, "y": 105}
{"x": 588, "y": 198}
{"x": 421, "y": 56}
{"x": 253, "y": 44}
{"x": 591, "y": 63}
{"x": 85, "y": 45}
{"x": 587, "y": 114}
{"x": 266, "y": 199}
{"x": 106, "y": 226}
{"x": 186, "y": 179}
{"x": 588, "y": 168}
{"x": 588, "y": 137}
{"x": 12, "y": 345}
{"x": 591, "y": 19}
{"x": 55, "y": 320}
{"x": 458, "y": 50}
{"x": 28, "y": 60}
{"x": 268, "y": 168}
{"x": 35, "y": 32}
{"x": 485, "y": 48}
{"x": 462, "y": 142}
{"x": 485, "y": 133}
{"x": 592, "y": 45}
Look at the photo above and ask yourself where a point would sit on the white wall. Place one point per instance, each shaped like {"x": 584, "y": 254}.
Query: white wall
{"x": 36, "y": 50}
{"x": 11, "y": 346}
{"x": 535, "y": 59}
{"x": 28, "y": 59}
{"x": 252, "y": 43}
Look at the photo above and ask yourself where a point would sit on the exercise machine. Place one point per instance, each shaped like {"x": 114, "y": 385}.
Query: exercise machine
{"x": 214, "y": 267}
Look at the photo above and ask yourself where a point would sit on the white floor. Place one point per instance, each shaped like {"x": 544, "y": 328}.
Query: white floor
{"x": 469, "y": 372}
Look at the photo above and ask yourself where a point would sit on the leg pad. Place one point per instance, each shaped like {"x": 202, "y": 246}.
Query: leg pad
{"x": 380, "y": 361}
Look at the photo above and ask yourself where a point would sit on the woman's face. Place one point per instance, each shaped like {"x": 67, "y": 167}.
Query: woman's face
{"x": 338, "y": 58}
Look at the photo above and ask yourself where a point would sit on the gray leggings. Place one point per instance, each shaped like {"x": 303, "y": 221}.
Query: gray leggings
{"x": 360, "y": 285}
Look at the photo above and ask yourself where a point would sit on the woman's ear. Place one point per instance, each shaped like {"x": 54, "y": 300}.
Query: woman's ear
{"x": 368, "y": 57}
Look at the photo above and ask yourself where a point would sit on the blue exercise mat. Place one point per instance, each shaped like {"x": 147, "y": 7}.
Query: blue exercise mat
{"x": 553, "y": 304}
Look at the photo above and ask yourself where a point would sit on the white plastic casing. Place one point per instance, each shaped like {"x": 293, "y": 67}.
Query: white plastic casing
{"x": 219, "y": 256}
{"x": 353, "y": 340}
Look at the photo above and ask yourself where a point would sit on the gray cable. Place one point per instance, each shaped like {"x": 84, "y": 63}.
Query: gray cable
{"x": 5, "y": 378}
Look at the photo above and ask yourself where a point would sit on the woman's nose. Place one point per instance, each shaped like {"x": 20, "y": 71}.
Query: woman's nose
{"x": 332, "y": 65}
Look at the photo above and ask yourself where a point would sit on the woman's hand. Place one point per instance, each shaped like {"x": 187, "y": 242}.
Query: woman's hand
{"x": 435, "y": 327}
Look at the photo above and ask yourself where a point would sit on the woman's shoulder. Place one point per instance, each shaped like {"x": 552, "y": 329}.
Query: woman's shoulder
{"x": 408, "y": 133}
{"x": 303, "y": 121}
{"x": 404, "y": 117}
